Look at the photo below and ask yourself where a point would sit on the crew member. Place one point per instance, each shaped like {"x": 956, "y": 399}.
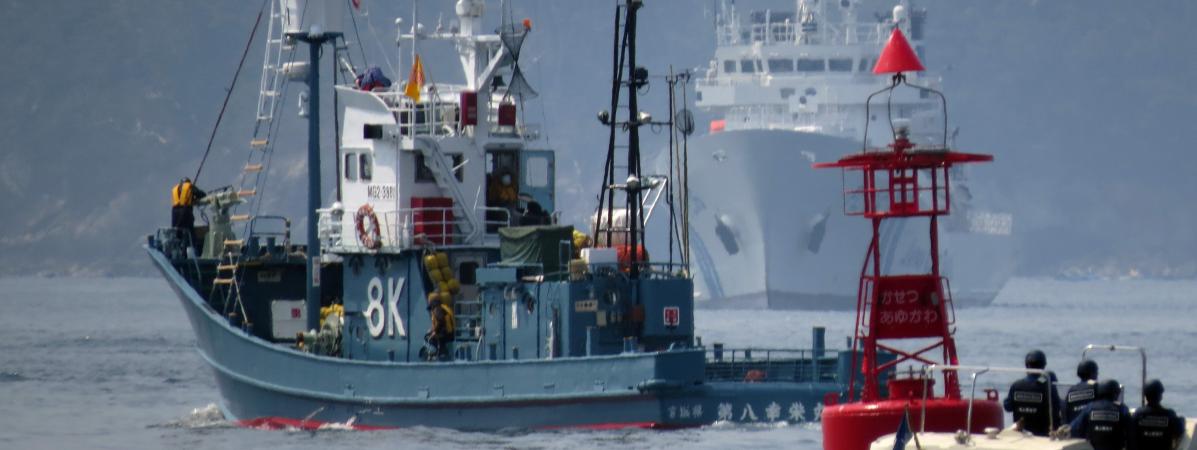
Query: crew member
{"x": 1105, "y": 422}
{"x": 182, "y": 198}
{"x": 1033, "y": 400}
{"x": 500, "y": 189}
{"x": 1081, "y": 394}
{"x": 440, "y": 334}
{"x": 1154, "y": 427}
{"x": 533, "y": 214}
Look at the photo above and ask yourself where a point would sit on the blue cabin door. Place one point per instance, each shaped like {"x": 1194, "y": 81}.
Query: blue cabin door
{"x": 538, "y": 177}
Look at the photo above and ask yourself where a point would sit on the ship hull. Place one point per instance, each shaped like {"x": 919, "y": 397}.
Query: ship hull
{"x": 768, "y": 231}
{"x": 267, "y": 384}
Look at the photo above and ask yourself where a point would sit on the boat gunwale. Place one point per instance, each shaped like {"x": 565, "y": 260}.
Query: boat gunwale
{"x": 168, "y": 270}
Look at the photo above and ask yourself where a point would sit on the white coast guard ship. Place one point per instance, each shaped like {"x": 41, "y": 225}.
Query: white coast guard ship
{"x": 789, "y": 87}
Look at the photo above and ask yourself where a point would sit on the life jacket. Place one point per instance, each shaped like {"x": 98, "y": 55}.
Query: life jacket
{"x": 1154, "y": 428}
{"x": 180, "y": 195}
{"x": 1079, "y": 395}
{"x": 450, "y": 321}
{"x": 1029, "y": 398}
{"x": 1106, "y": 427}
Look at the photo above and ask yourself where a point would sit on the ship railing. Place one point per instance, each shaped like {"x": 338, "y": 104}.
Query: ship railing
{"x": 329, "y": 230}
{"x": 432, "y": 117}
{"x": 648, "y": 270}
{"x": 518, "y": 129}
{"x": 826, "y": 33}
{"x": 655, "y": 270}
{"x": 409, "y": 228}
{"x": 991, "y": 395}
{"x": 769, "y": 364}
{"x": 277, "y": 232}
{"x": 772, "y": 32}
{"x": 903, "y": 193}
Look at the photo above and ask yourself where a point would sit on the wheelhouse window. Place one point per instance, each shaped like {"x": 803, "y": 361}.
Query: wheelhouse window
{"x": 811, "y": 65}
{"x": 350, "y": 167}
{"x": 747, "y": 66}
{"x": 536, "y": 172}
{"x": 840, "y": 64}
{"x": 366, "y": 167}
{"x": 729, "y": 66}
{"x": 864, "y": 65}
{"x": 779, "y": 65}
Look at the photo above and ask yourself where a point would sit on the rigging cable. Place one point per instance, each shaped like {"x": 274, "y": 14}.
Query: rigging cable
{"x": 229, "y": 92}
{"x": 360, "y": 46}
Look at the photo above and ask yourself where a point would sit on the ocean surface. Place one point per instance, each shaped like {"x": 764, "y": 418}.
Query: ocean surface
{"x": 110, "y": 363}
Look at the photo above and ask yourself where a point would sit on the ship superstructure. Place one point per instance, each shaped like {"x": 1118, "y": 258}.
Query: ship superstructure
{"x": 788, "y": 88}
{"x": 808, "y": 70}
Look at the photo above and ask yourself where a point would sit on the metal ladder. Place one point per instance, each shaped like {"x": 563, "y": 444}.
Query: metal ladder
{"x": 442, "y": 172}
{"x": 269, "y": 96}
{"x": 227, "y": 281}
{"x": 271, "y": 64}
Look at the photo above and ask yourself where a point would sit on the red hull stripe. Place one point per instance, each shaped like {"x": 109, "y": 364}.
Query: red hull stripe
{"x": 284, "y": 423}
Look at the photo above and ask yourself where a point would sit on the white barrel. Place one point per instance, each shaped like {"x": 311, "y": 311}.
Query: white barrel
{"x": 306, "y": 16}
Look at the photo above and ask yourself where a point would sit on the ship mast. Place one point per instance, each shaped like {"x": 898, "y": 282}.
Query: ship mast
{"x": 318, "y": 26}
{"x": 637, "y": 77}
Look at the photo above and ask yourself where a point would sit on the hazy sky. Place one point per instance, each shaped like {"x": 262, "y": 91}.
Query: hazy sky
{"x": 1087, "y": 104}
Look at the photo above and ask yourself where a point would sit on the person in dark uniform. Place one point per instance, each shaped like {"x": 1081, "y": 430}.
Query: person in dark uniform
{"x": 1033, "y": 400}
{"x": 1154, "y": 427}
{"x": 182, "y": 198}
{"x": 1081, "y": 394}
{"x": 1104, "y": 422}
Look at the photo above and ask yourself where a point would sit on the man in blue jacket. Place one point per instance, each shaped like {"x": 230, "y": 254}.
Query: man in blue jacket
{"x": 1105, "y": 423}
{"x": 1083, "y": 393}
{"x": 1033, "y": 400}
{"x": 1154, "y": 427}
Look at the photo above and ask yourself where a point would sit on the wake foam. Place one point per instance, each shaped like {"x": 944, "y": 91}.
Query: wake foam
{"x": 208, "y": 416}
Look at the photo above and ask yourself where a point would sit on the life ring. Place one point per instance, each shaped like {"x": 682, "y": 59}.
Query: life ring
{"x": 369, "y": 234}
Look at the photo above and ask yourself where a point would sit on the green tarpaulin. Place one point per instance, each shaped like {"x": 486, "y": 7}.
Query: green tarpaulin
{"x": 549, "y": 247}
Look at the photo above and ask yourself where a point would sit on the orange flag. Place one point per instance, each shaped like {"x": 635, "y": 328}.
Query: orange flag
{"x": 415, "y": 81}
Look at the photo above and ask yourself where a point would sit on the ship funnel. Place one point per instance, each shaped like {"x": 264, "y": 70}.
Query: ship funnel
{"x": 897, "y": 56}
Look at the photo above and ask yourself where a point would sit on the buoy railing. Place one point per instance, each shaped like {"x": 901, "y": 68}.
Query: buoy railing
{"x": 977, "y": 371}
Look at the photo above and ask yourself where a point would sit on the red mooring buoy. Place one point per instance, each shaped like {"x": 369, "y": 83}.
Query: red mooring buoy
{"x": 902, "y": 318}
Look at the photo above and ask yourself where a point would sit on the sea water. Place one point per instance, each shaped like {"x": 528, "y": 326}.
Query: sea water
{"x": 110, "y": 363}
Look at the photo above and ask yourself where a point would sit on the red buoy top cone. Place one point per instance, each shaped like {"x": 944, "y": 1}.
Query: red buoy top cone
{"x": 897, "y": 56}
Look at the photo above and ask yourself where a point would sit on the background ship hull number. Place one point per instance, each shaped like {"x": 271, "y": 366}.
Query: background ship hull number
{"x": 382, "y": 313}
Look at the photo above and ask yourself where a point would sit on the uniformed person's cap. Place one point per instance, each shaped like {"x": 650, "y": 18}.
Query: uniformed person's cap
{"x": 1036, "y": 359}
{"x": 1087, "y": 370}
{"x": 1153, "y": 390}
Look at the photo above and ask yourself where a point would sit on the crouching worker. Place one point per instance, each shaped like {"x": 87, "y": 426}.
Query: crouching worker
{"x": 1104, "y": 422}
{"x": 441, "y": 333}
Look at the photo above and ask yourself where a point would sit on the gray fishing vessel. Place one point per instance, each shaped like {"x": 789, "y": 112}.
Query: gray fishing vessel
{"x": 443, "y": 222}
